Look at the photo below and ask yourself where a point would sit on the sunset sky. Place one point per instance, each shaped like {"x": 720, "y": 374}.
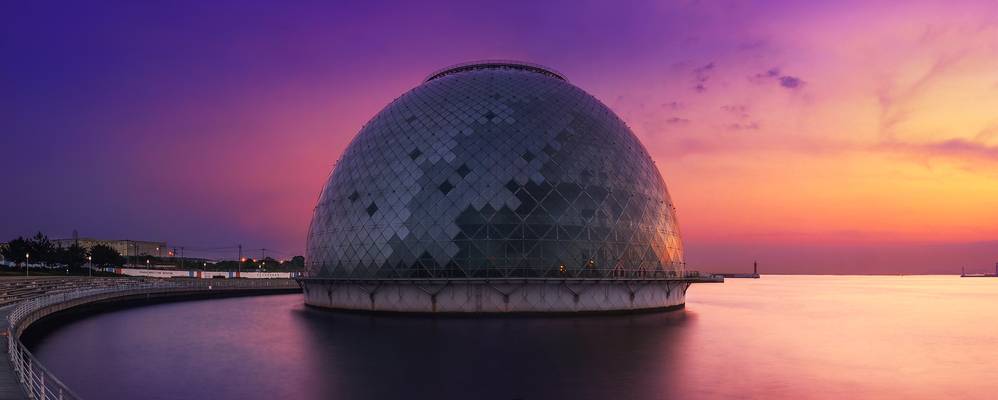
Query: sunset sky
{"x": 854, "y": 137}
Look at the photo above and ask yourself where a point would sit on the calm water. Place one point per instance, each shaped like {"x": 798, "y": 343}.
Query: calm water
{"x": 775, "y": 337}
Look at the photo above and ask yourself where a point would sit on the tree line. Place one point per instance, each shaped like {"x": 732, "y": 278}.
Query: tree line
{"x": 39, "y": 249}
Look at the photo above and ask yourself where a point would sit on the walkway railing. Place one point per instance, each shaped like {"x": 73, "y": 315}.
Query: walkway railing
{"x": 26, "y": 307}
{"x": 40, "y": 383}
{"x": 551, "y": 273}
{"x": 37, "y": 381}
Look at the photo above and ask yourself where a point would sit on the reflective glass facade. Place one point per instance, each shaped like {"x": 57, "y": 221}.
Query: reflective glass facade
{"x": 495, "y": 171}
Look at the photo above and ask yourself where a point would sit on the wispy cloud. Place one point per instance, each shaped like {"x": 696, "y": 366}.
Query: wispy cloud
{"x": 674, "y": 105}
{"x": 988, "y": 133}
{"x": 739, "y": 111}
{"x": 791, "y": 82}
{"x": 954, "y": 148}
{"x": 701, "y": 75}
{"x": 744, "y": 126}
{"x": 775, "y": 75}
{"x": 771, "y": 73}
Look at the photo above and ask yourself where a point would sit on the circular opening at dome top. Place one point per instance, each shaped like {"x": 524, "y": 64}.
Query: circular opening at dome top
{"x": 495, "y": 64}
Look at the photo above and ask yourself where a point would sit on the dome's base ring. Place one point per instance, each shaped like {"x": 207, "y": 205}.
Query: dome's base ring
{"x": 497, "y": 296}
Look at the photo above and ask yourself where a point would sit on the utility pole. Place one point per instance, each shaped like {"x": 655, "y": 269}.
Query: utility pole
{"x": 263, "y": 254}
{"x": 239, "y": 268}
{"x": 181, "y": 257}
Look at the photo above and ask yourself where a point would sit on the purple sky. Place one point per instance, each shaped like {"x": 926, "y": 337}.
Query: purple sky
{"x": 835, "y": 138}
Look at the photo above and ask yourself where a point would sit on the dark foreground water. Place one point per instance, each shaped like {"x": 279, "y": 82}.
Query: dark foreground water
{"x": 775, "y": 337}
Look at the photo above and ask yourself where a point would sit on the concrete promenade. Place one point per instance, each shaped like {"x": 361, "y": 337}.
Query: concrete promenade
{"x": 22, "y": 373}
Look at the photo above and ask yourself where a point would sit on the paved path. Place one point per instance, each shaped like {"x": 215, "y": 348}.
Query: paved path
{"x": 10, "y": 387}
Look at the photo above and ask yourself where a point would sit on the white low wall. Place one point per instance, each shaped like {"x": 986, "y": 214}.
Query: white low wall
{"x": 496, "y": 297}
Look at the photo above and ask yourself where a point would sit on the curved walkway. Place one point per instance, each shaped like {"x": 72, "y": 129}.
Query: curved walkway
{"x": 25, "y": 378}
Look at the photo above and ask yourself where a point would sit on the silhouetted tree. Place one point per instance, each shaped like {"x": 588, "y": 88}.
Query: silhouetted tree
{"x": 74, "y": 256}
{"x": 104, "y": 256}
{"x": 15, "y": 250}
{"x": 41, "y": 249}
{"x": 298, "y": 261}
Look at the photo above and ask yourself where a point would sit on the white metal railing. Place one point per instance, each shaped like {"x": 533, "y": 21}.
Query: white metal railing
{"x": 530, "y": 274}
{"x": 41, "y": 384}
{"x": 37, "y": 381}
{"x": 25, "y": 307}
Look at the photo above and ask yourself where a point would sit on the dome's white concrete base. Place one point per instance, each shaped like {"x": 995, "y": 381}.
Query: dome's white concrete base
{"x": 496, "y": 296}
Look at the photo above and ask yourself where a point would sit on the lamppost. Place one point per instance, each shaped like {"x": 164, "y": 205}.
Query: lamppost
{"x": 27, "y": 259}
{"x": 90, "y": 268}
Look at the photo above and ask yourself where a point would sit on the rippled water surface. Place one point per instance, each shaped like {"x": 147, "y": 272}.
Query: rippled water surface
{"x": 792, "y": 337}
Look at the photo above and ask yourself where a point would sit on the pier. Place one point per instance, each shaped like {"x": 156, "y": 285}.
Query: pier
{"x": 753, "y": 275}
{"x": 964, "y": 274}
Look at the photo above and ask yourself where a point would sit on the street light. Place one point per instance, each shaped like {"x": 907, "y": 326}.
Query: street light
{"x": 27, "y": 259}
{"x": 90, "y": 269}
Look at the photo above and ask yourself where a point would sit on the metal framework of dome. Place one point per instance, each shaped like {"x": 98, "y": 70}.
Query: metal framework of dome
{"x": 492, "y": 179}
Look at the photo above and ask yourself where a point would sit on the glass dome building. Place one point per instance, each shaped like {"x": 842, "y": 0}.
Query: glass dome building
{"x": 491, "y": 173}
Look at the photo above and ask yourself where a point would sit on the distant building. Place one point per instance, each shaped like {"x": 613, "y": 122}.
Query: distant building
{"x": 127, "y": 248}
